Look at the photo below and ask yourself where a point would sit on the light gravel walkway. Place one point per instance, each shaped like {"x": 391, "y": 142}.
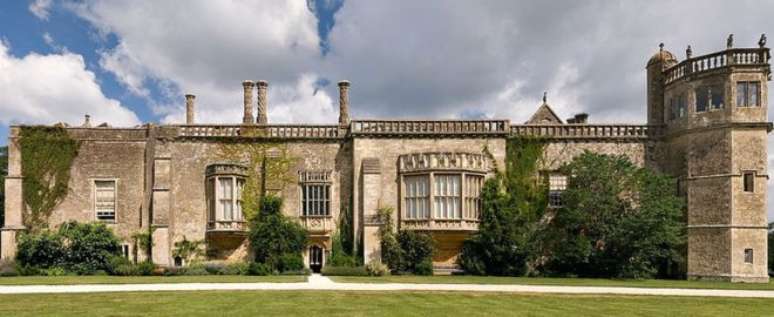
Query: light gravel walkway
{"x": 321, "y": 283}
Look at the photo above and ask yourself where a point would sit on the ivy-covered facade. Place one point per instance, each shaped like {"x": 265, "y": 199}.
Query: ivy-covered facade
{"x": 194, "y": 181}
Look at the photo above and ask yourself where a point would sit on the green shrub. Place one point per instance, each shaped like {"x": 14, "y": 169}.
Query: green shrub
{"x": 342, "y": 260}
{"x": 146, "y": 268}
{"x": 290, "y": 262}
{"x": 236, "y": 268}
{"x": 303, "y": 272}
{"x": 54, "y": 271}
{"x": 75, "y": 247}
{"x": 344, "y": 271}
{"x": 43, "y": 250}
{"x": 272, "y": 235}
{"x": 376, "y": 268}
{"x": 416, "y": 251}
{"x": 195, "y": 270}
{"x": 260, "y": 269}
{"x": 187, "y": 250}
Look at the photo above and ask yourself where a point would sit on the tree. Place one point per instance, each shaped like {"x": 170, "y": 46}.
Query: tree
{"x": 273, "y": 237}
{"x": 512, "y": 205}
{"x": 618, "y": 220}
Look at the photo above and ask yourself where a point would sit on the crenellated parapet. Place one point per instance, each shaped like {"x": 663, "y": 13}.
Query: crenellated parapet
{"x": 444, "y": 161}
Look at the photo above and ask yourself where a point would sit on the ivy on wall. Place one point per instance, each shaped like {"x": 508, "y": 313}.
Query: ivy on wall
{"x": 47, "y": 154}
{"x": 268, "y": 165}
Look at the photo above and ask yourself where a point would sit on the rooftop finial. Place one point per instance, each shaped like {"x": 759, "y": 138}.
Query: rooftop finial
{"x": 730, "y": 41}
{"x": 661, "y": 47}
{"x": 688, "y": 52}
{"x": 545, "y": 97}
{"x": 762, "y": 41}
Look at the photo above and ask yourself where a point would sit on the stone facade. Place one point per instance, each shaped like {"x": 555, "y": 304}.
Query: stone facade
{"x": 174, "y": 179}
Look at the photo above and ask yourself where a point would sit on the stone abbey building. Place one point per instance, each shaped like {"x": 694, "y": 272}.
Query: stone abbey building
{"x": 706, "y": 125}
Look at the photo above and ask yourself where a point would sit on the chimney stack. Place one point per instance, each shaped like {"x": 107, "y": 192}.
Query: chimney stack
{"x": 263, "y": 104}
{"x": 189, "y": 109}
{"x": 87, "y": 121}
{"x": 582, "y": 118}
{"x": 248, "y": 114}
{"x": 344, "y": 103}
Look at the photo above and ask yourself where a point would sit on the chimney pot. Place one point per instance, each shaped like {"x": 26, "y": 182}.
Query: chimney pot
{"x": 189, "y": 108}
{"x": 263, "y": 103}
{"x": 248, "y": 118}
{"x": 344, "y": 103}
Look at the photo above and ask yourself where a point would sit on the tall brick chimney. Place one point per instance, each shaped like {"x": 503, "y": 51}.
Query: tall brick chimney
{"x": 248, "y": 114}
{"x": 189, "y": 108}
{"x": 263, "y": 104}
{"x": 344, "y": 103}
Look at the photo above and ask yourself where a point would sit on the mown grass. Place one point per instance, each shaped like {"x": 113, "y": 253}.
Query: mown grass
{"x": 328, "y": 303}
{"x": 67, "y": 280}
{"x": 467, "y": 279}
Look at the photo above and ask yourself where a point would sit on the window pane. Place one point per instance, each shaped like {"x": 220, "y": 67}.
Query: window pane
{"x": 105, "y": 199}
{"x": 717, "y": 96}
{"x": 741, "y": 94}
{"x": 753, "y": 91}
{"x": 702, "y": 99}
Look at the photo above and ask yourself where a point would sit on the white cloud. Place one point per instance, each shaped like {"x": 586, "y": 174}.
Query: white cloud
{"x": 41, "y": 8}
{"x": 207, "y": 49}
{"x": 54, "y": 88}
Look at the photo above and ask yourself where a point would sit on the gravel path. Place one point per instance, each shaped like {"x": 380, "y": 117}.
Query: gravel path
{"x": 317, "y": 282}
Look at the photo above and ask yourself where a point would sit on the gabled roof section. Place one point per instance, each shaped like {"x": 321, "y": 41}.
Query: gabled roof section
{"x": 544, "y": 115}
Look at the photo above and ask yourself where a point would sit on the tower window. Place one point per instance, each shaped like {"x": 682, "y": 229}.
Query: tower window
{"x": 749, "y": 182}
{"x": 678, "y": 106}
{"x": 747, "y": 93}
{"x": 709, "y": 97}
{"x": 748, "y": 256}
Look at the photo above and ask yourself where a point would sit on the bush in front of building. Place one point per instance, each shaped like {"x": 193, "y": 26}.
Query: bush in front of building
{"x": 408, "y": 251}
{"x": 376, "y": 268}
{"x": 276, "y": 240}
{"x": 618, "y": 220}
{"x": 329, "y": 270}
{"x": 78, "y": 248}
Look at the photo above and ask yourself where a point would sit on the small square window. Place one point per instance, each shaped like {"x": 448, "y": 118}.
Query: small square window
{"x": 748, "y": 256}
{"x": 749, "y": 182}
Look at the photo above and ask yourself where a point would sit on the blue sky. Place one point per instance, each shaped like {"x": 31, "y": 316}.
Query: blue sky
{"x": 130, "y": 62}
{"x": 25, "y": 33}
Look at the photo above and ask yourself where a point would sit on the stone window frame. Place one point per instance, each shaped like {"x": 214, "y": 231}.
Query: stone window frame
{"x": 752, "y": 174}
{"x": 749, "y": 256}
{"x": 747, "y": 84}
{"x": 94, "y": 182}
{"x": 464, "y": 195}
{"x": 678, "y": 106}
{"x": 708, "y": 89}
{"x": 215, "y": 172}
{"x": 555, "y": 191}
{"x": 315, "y": 178}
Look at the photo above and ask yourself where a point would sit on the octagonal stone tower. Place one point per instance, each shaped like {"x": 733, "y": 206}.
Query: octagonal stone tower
{"x": 713, "y": 110}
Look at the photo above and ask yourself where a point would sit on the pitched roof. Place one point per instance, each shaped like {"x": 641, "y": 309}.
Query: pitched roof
{"x": 544, "y": 115}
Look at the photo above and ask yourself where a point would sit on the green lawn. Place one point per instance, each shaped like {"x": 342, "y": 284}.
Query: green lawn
{"x": 316, "y": 303}
{"x": 62, "y": 280}
{"x": 466, "y": 279}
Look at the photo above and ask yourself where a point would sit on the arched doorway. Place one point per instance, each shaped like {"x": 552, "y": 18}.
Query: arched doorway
{"x": 315, "y": 258}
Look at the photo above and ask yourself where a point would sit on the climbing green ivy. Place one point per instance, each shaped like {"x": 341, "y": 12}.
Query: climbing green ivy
{"x": 268, "y": 164}
{"x": 47, "y": 154}
{"x": 522, "y": 179}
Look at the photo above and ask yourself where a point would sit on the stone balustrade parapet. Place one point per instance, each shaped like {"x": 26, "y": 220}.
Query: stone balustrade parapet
{"x": 428, "y": 127}
{"x": 744, "y": 57}
{"x": 587, "y": 131}
{"x": 274, "y": 131}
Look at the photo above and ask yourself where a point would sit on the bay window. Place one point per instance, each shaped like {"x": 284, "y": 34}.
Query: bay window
{"x": 445, "y": 196}
{"x": 223, "y": 188}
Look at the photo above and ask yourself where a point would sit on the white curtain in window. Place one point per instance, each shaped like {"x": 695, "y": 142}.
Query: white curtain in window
{"x": 447, "y": 197}
{"x": 417, "y": 197}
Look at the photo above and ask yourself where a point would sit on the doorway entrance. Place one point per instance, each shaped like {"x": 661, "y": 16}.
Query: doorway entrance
{"x": 315, "y": 258}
